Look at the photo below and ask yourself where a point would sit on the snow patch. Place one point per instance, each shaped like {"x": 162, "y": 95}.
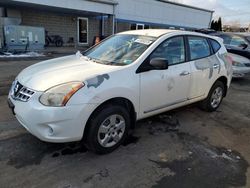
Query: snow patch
{"x": 27, "y": 54}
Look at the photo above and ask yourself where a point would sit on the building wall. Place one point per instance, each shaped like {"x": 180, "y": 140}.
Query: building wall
{"x": 60, "y": 24}
{"x": 78, "y": 5}
{"x": 108, "y": 26}
{"x": 157, "y": 12}
{"x": 122, "y": 26}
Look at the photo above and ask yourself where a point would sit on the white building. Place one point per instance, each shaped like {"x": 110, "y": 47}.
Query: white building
{"x": 78, "y": 21}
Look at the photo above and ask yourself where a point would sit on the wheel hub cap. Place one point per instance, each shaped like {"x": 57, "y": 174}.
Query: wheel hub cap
{"x": 216, "y": 97}
{"x": 111, "y": 130}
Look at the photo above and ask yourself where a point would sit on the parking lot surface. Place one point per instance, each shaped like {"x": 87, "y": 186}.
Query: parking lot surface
{"x": 186, "y": 147}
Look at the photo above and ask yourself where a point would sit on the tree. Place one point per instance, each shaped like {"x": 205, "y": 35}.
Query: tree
{"x": 216, "y": 25}
{"x": 212, "y": 25}
{"x": 219, "y": 24}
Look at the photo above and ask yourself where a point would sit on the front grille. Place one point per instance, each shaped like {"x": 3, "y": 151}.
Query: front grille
{"x": 247, "y": 64}
{"x": 20, "y": 92}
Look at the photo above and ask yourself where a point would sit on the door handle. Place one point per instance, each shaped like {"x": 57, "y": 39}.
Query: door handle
{"x": 184, "y": 73}
{"x": 216, "y": 66}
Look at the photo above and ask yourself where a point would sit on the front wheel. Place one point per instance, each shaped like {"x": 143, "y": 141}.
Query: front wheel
{"x": 214, "y": 98}
{"x": 107, "y": 129}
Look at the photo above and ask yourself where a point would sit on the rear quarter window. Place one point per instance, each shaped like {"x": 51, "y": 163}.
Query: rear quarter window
{"x": 215, "y": 45}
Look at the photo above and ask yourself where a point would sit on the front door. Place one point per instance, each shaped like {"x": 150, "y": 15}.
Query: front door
{"x": 82, "y": 25}
{"x": 160, "y": 89}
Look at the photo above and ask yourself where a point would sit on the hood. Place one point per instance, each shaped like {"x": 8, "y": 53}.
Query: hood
{"x": 47, "y": 74}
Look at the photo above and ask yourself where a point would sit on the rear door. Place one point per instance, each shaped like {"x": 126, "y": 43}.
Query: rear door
{"x": 202, "y": 66}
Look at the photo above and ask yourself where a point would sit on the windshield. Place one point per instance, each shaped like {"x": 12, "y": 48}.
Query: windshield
{"x": 120, "y": 49}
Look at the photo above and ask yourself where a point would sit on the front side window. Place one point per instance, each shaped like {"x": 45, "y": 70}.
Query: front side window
{"x": 120, "y": 49}
{"x": 172, "y": 50}
{"x": 199, "y": 48}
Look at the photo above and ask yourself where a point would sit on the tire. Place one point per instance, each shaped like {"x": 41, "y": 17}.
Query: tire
{"x": 59, "y": 43}
{"x": 214, "y": 98}
{"x": 107, "y": 129}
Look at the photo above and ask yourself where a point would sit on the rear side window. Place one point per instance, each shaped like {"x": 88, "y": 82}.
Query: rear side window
{"x": 215, "y": 45}
{"x": 199, "y": 47}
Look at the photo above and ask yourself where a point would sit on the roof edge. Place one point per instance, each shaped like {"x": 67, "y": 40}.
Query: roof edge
{"x": 184, "y": 5}
{"x": 109, "y": 2}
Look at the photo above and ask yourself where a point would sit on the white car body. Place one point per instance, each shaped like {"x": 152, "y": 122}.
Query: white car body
{"x": 150, "y": 92}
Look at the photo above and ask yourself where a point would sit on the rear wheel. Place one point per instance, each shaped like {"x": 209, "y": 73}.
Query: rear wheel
{"x": 214, "y": 98}
{"x": 107, "y": 129}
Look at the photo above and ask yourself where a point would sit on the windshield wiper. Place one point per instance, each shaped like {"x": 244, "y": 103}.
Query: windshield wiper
{"x": 115, "y": 63}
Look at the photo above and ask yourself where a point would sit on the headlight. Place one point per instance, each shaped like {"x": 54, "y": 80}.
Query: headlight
{"x": 238, "y": 64}
{"x": 60, "y": 95}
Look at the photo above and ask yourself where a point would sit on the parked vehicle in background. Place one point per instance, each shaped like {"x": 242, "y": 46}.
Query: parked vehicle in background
{"x": 99, "y": 95}
{"x": 205, "y": 31}
{"x": 241, "y": 65}
{"x": 238, "y": 44}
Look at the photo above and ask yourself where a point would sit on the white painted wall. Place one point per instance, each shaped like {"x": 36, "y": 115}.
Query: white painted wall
{"x": 83, "y": 5}
{"x": 162, "y": 13}
{"x": 150, "y": 11}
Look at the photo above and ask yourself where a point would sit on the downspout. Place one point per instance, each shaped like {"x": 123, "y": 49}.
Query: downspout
{"x": 114, "y": 20}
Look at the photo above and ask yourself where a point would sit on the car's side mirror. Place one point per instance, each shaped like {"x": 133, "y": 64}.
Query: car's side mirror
{"x": 159, "y": 63}
{"x": 153, "y": 64}
{"x": 243, "y": 46}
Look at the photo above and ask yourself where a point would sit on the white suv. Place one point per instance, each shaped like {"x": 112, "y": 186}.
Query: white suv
{"x": 97, "y": 96}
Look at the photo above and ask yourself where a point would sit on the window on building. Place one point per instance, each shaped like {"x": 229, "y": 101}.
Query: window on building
{"x": 199, "y": 47}
{"x": 139, "y": 26}
{"x": 133, "y": 26}
{"x": 82, "y": 30}
{"x": 172, "y": 50}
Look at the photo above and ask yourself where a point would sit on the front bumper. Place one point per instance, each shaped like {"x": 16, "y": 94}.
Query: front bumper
{"x": 52, "y": 124}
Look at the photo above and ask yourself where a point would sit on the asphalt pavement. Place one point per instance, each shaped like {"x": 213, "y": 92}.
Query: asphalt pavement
{"x": 184, "y": 148}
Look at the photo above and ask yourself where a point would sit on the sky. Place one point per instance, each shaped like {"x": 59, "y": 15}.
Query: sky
{"x": 231, "y": 11}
